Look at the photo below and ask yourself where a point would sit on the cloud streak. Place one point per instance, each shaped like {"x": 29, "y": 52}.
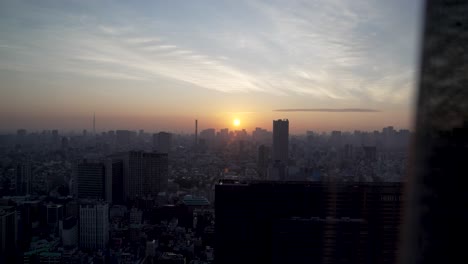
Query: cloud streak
{"x": 330, "y": 110}
{"x": 325, "y": 50}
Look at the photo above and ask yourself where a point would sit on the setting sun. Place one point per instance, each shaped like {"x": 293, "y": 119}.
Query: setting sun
{"x": 236, "y": 122}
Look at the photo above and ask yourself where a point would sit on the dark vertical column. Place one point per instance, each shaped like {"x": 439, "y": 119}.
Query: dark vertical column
{"x": 436, "y": 213}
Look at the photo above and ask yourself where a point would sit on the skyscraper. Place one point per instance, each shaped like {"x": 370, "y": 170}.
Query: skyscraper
{"x": 91, "y": 180}
{"x": 145, "y": 174}
{"x": 70, "y": 232}
{"x": 281, "y": 140}
{"x": 162, "y": 142}
{"x": 8, "y": 235}
{"x": 304, "y": 222}
{"x": 54, "y": 214}
{"x": 208, "y": 136}
{"x": 23, "y": 178}
{"x": 117, "y": 181}
{"x": 262, "y": 160}
{"x": 94, "y": 225}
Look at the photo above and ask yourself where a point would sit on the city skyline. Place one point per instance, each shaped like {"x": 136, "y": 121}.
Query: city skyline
{"x": 156, "y": 132}
{"x": 158, "y": 66}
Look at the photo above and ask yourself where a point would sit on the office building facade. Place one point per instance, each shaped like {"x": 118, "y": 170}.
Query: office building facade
{"x": 94, "y": 225}
{"x": 146, "y": 174}
{"x": 340, "y": 223}
{"x": 281, "y": 140}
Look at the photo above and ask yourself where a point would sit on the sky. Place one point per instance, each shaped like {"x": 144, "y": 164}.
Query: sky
{"x": 159, "y": 65}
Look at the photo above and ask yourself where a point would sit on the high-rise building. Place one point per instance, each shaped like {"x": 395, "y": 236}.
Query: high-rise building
{"x": 70, "y": 232}
{"x": 223, "y": 136}
{"x": 261, "y": 136}
{"x": 162, "y": 142}
{"x": 23, "y": 178}
{"x": 91, "y": 180}
{"x": 101, "y": 179}
{"x": 117, "y": 182}
{"x": 263, "y": 160}
{"x": 146, "y": 174}
{"x": 281, "y": 140}
{"x": 94, "y": 225}
{"x": 208, "y": 135}
{"x": 54, "y": 216}
{"x": 304, "y": 222}
{"x": 336, "y": 139}
{"x": 8, "y": 235}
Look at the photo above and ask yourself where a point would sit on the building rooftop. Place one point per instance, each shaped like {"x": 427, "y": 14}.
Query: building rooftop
{"x": 195, "y": 201}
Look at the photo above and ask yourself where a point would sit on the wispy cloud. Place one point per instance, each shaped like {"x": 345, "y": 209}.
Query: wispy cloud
{"x": 332, "y": 50}
{"x": 330, "y": 110}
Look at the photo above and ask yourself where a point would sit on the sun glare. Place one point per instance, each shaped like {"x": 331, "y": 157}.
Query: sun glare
{"x": 236, "y": 122}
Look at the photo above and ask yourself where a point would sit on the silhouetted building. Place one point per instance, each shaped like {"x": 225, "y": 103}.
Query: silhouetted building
{"x": 23, "y": 178}
{"x": 54, "y": 216}
{"x": 70, "y": 235}
{"x": 208, "y": 135}
{"x": 319, "y": 240}
{"x": 261, "y": 136}
{"x": 281, "y": 140}
{"x": 91, "y": 180}
{"x": 117, "y": 184}
{"x": 223, "y": 136}
{"x": 341, "y": 222}
{"x": 8, "y": 235}
{"x": 29, "y": 215}
{"x": 146, "y": 174}
{"x": 277, "y": 171}
{"x": 94, "y": 225}
{"x": 335, "y": 139}
{"x": 162, "y": 142}
{"x": 262, "y": 160}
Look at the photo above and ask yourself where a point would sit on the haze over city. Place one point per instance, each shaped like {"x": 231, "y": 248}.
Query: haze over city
{"x": 157, "y": 65}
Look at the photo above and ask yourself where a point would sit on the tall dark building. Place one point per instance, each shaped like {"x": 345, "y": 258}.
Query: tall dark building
{"x": 23, "y": 178}
{"x": 8, "y": 234}
{"x": 297, "y": 222}
{"x": 208, "y": 136}
{"x": 91, "y": 180}
{"x": 117, "y": 181}
{"x": 281, "y": 140}
{"x": 262, "y": 160}
{"x": 102, "y": 179}
{"x": 54, "y": 214}
{"x": 94, "y": 225}
{"x": 146, "y": 174}
{"x": 162, "y": 142}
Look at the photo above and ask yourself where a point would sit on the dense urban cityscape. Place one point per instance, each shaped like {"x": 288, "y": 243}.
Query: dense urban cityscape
{"x": 137, "y": 197}
{"x": 233, "y": 132}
